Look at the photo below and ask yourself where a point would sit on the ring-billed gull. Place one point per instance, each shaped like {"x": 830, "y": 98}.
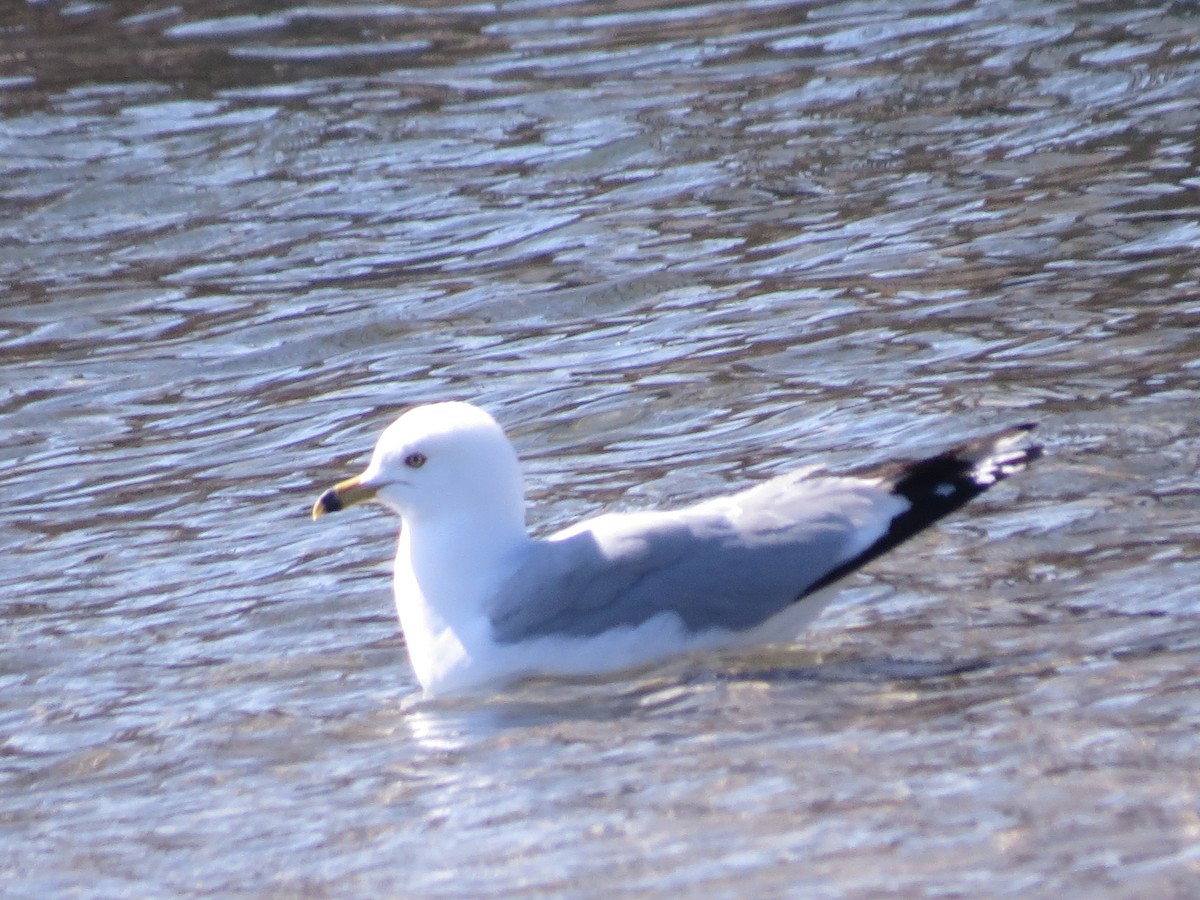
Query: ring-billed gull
{"x": 481, "y": 603}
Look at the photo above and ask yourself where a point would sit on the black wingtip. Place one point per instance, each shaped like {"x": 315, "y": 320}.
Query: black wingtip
{"x": 938, "y": 485}
{"x": 941, "y": 484}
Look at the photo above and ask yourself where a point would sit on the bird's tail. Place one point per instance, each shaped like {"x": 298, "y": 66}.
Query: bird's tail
{"x": 937, "y": 486}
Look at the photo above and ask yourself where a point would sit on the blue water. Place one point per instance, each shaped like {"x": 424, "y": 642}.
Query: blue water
{"x": 674, "y": 248}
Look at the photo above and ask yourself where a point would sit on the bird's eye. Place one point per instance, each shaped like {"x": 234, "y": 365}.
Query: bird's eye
{"x": 414, "y": 460}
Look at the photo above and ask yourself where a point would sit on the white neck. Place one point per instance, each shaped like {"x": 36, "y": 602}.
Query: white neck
{"x": 447, "y": 569}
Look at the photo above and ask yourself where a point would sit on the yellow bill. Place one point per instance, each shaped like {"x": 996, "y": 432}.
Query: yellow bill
{"x": 343, "y": 494}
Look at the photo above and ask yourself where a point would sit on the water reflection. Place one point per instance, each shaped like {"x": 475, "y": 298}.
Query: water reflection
{"x": 674, "y": 248}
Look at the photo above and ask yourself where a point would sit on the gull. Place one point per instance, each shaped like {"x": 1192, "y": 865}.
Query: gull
{"x": 482, "y": 603}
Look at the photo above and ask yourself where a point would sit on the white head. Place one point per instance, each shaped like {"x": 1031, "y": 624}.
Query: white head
{"x": 436, "y": 462}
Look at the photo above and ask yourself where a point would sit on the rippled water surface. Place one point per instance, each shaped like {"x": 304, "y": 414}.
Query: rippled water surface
{"x": 674, "y": 248}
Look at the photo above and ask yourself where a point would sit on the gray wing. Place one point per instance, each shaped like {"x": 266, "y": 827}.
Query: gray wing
{"x": 736, "y": 562}
{"x": 728, "y": 564}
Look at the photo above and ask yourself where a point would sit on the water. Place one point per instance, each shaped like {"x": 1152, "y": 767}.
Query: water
{"x": 674, "y": 248}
